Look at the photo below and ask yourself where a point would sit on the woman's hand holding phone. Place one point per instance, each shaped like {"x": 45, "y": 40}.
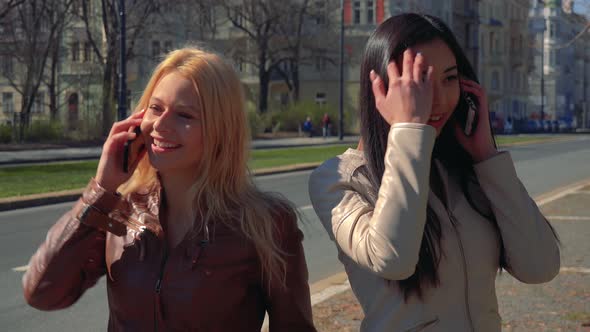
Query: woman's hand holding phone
{"x": 110, "y": 174}
{"x": 408, "y": 97}
{"x": 480, "y": 144}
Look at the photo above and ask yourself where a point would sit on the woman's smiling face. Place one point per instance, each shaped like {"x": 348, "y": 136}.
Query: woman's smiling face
{"x": 172, "y": 125}
{"x": 445, "y": 79}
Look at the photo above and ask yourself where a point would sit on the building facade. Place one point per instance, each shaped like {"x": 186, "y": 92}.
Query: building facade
{"x": 560, "y": 91}
{"x": 466, "y": 29}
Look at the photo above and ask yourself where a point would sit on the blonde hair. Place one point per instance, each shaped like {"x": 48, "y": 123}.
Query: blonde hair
{"x": 223, "y": 191}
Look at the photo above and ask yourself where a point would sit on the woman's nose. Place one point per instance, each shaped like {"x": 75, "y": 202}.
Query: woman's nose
{"x": 162, "y": 121}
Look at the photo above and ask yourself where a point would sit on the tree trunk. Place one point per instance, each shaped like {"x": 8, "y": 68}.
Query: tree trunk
{"x": 52, "y": 85}
{"x": 295, "y": 77}
{"x": 24, "y": 117}
{"x": 264, "y": 79}
{"x": 108, "y": 87}
{"x": 263, "y": 99}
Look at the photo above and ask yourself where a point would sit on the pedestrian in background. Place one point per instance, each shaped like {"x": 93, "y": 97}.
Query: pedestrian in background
{"x": 189, "y": 243}
{"x": 308, "y": 126}
{"x": 423, "y": 215}
{"x": 326, "y": 125}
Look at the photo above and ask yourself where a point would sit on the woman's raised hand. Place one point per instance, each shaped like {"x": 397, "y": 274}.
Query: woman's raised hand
{"x": 110, "y": 173}
{"x": 408, "y": 98}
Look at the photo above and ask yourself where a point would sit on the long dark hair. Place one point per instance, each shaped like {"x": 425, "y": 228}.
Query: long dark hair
{"x": 388, "y": 43}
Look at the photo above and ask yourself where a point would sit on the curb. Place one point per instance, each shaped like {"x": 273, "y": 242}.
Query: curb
{"x": 88, "y": 156}
{"x": 537, "y": 141}
{"x": 21, "y": 202}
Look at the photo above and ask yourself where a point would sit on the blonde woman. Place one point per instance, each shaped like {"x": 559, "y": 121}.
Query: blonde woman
{"x": 187, "y": 242}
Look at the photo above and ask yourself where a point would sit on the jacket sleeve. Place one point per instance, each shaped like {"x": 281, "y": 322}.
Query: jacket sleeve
{"x": 289, "y": 304}
{"x": 72, "y": 258}
{"x": 385, "y": 240}
{"x": 531, "y": 247}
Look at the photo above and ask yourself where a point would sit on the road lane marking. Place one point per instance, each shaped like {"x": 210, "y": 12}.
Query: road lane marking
{"x": 569, "y": 218}
{"x": 307, "y": 207}
{"x": 561, "y": 192}
{"x": 21, "y": 268}
{"x": 327, "y": 293}
{"x": 575, "y": 270}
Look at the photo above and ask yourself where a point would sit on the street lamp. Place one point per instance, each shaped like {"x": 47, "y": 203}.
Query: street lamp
{"x": 122, "y": 109}
{"x": 341, "y": 105}
{"x": 538, "y": 26}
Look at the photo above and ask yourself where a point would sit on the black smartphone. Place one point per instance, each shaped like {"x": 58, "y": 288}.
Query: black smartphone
{"x": 132, "y": 149}
{"x": 467, "y": 114}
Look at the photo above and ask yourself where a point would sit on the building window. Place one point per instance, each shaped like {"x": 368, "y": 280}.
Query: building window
{"x": 320, "y": 63}
{"x": 357, "y": 12}
{"x": 87, "y": 52}
{"x": 7, "y": 66}
{"x": 320, "y": 98}
{"x": 238, "y": 17}
{"x": 155, "y": 49}
{"x": 370, "y": 11}
{"x": 552, "y": 29}
{"x": 73, "y": 111}
{"x": 167, "y": 46}
{"x": 240, "y": 63}
{"x": 320, "y": 15}
{"x": 39, "y": 104}
{"x": 76, "y": 51}
{"x": 492, "y": 37}
{"x": 467, "y": 5}
{"x": 495, "y": 80}
{"x": 7, "y": 102}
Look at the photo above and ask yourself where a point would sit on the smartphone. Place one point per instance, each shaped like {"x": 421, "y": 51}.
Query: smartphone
{"x": 132, "y": 149}
{"x": 467, "y": 114}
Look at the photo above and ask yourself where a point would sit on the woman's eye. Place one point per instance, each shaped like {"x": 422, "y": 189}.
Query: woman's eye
{"x": 154, "y": 108}
{"x": 185, "y": 115}
{"x": 451, "y": 78}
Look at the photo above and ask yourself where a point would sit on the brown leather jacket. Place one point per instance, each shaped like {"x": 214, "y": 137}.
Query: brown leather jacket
{"x": 209, "y": 282}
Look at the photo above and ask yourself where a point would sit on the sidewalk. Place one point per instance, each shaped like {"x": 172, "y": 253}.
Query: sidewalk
{"x": 560, "y": 305}
{"x": 48, "y": 153}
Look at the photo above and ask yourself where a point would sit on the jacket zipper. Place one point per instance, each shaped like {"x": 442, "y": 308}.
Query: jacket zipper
{"x": 158, "y": 288}
{"x": 466, "y": 283}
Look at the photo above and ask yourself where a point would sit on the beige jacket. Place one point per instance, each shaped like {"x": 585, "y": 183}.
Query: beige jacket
{"x": 382, "y": 244}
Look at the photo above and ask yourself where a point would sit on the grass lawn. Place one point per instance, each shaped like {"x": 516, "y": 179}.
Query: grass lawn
{"x": 36, "y": 179}
{"x": 507, "y": 139}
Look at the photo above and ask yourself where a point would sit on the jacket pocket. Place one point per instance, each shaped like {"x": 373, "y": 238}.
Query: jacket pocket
{"x": 422, "y": 326}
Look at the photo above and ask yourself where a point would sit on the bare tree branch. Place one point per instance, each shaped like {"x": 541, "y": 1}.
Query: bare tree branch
{"x": 9, "y": 6}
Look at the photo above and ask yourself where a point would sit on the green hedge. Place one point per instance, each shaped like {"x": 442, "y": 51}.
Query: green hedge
{"x": 42, "y": 131}
{"x": 293, "y": 116}
{"x": 5, "y": 133}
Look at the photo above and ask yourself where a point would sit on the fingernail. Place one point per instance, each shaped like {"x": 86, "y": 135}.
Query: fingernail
{"x": 372, "y": 75}
{"x": 419, "y": 53}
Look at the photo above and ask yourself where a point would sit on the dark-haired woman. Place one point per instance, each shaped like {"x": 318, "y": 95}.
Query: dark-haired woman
{"x": 424, "y": 215}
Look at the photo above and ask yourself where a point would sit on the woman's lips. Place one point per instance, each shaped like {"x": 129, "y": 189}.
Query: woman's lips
{"x": 159, "y": 146}
{"x": 437, "y": 120}
{"x": 157, "y": 149}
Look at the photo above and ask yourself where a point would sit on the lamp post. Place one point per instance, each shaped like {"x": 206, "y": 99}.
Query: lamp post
{"x": 122, "y": 107}
{"x": 341, "y": 102}
{"x": 538, "y": 26}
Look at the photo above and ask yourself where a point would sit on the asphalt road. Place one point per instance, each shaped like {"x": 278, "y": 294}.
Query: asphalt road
{"x": 541, "y": 167}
